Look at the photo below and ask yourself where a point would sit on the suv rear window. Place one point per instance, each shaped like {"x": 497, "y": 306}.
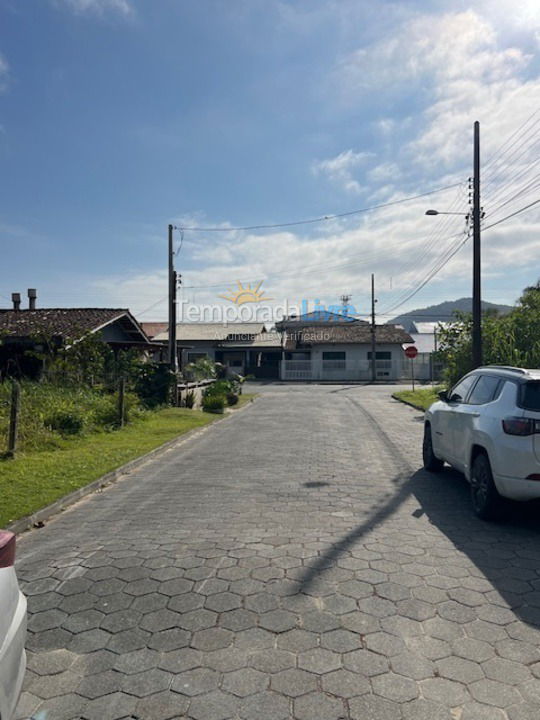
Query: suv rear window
{"x": 529, "y": 396}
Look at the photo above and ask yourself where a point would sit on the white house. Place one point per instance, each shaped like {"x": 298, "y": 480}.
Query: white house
{"x": 340, "y": 349}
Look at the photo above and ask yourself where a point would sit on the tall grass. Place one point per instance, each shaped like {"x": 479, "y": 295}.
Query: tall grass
{"x": 49, "y": 413}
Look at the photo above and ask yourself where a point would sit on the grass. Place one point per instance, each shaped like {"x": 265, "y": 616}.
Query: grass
{"x": 420, "y": 399}
{"x": 244, "y": 399}
{"x": 34, "y": 479}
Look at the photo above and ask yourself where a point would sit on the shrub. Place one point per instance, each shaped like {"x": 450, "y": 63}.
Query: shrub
{"x": 66, "y": 422}
{"x": 154, "y": 383}
{"x": 220, "y": 387}
{"x": 232, "y": 398}
{"x": 214, "y": 403}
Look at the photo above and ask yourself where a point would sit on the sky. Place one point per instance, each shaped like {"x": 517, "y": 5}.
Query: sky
{"x": 118, "y": 117}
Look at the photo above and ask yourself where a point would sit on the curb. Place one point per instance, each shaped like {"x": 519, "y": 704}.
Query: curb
{"x": 407, "y": 402}
{"x": 41, "y": 516}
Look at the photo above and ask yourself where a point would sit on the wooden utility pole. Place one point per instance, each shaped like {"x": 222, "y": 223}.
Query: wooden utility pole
{"x": 373, "y": 329}
{"x": 476, "y": 218}
{"x": 14, "y": 418}
{"x": 173, "y": 362}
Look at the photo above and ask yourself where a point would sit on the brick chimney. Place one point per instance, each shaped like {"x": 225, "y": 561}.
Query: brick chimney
{"x": 16, "y": 300}
{"x": 32, "y": 295}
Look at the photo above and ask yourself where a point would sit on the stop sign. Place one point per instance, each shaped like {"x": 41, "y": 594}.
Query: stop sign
{"x": 411, "y": 352}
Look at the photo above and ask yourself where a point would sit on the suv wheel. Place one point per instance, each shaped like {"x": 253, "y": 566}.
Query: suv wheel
{"x": 486, "y": 501}
{"x": 431, "y": 461}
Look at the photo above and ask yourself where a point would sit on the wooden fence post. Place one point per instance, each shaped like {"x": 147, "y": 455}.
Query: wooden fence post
{"x": 121, "y": 402}
{"x": 14, "y": 418}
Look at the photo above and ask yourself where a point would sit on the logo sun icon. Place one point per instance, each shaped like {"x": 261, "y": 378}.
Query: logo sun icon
{"x": 245, "y": 294}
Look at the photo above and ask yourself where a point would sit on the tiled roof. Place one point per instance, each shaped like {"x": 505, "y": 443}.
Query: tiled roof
{"x": 69, "y": 323}
{"x": 217, "y": 332}
{"x": 154, "y": 328}
{"x": 345, "y": 335}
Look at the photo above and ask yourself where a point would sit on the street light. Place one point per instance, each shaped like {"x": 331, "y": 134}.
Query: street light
{"x": 441, "y": 212}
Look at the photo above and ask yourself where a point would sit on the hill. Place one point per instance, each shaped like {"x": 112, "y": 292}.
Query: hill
{"x": 443, "y": 312}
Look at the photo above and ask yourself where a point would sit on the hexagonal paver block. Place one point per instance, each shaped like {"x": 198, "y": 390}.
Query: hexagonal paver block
{"x": 180, "y": 660}
{"x": 318, "y": 706}
{"x": 178, "y": 586}
{"x": 491, "y": 692}
{"x": 356, "y": 589}
{"x": 297, "y": 640}
{"x": 196, "y": 682}
{"x": 294, "y": 682}
{"x": 103, "y": 683}
{"x": 211, "y": 639}
{"x": 254, "y": 639}
{"x": 374, "y": 706}
{"x": 50, "y": 663}
{"x": 345, "y": 684}
{"x": 171, "y": 639}
{"x": 160, "y": 620}
{"x": 221, "y": 602}
{"x": 244, "y": 682}
{"x": 341, "y": 641}
{"x": 110, "y": 707}
{"x": 365, "y": 662}
{"x": 238, "y": 619}
{"x": 162, "y": 706}
{"x": 394, "y": 687}
{"x": 446, "y": 692}
{"x": 89, "y": 640}
{"x": 471, "y": 649}
{"x": 277, "y": 621}
{"x": 150, "y": 603}
{"x": 264, "y": 706}
{"x": 319, "y": 660}
{"x": 146, "y": 683}
{"x": 141, "y": 587}
{"x": 459, "y": 669}
{"x": 198, "y": 620}
{"x": 121, "y": 620}
{"x": 46, "y": 620}
{"x": 271, "y": 661}
{"x": 261, "y": 602}
{"x": 127, "y": 641}
{"x": 413, "y": 666}
{"x": 137, "y": 661}
{"x": 226, "y": 659}
{"x": 49, "y": 686}
{"x": 215, "y": 705}
{"x": 385, "y": 644}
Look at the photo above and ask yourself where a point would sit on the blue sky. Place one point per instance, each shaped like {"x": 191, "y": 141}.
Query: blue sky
{"x": 119, "y": 116}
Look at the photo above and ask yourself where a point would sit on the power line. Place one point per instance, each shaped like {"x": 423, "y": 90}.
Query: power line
{"x": 517, "y": 212}
{"x": 323, "y": 218}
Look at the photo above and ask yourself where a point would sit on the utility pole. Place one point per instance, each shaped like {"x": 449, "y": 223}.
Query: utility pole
{"x": 173, "y": 362}
{"x": 477, "y": 292}
{"x": 373, "y": 342}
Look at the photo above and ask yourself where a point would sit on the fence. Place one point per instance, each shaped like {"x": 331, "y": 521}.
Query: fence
{"x": 340, "y": 370}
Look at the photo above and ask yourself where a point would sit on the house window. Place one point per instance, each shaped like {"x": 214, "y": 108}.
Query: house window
{"x": 334, "y": 360}
{"x": 383, "y": 362}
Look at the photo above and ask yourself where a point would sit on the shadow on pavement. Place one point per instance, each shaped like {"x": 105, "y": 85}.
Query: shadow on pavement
{"x": 507, "y": 553}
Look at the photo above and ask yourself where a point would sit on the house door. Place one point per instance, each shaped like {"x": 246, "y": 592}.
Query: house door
{"x": 235, "y": 362}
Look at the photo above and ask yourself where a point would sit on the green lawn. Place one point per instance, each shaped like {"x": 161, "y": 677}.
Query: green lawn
{"x": 420, "y": 399}
{"x": 35, "y": 479}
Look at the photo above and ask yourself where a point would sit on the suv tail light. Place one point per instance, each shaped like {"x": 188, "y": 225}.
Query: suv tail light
{"x": 520, "y": 426}
{"x": 7, "y": 549}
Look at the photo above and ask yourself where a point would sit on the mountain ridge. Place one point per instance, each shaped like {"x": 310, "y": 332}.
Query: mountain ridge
{"x": 443, "y": 312}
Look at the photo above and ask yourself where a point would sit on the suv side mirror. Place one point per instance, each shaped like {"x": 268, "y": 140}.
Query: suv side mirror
{"x": 443, "y": 395}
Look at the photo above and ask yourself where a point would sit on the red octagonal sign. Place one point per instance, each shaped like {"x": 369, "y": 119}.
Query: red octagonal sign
{"x": 411, "y": 352}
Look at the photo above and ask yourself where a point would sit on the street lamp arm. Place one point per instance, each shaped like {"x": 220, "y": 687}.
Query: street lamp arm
{"x": 442, "y": 212}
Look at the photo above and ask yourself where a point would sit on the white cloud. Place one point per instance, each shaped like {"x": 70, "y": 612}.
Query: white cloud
{"x": 123, "y": 7}
{"x": 340, "y": 168}
{"x": 4, "y": 73}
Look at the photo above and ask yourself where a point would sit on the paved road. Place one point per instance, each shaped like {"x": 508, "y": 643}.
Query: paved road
{"x": 290, "y": 562}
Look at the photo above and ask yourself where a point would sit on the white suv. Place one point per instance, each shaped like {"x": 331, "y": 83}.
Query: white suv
{"x": 488, "y": 427}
